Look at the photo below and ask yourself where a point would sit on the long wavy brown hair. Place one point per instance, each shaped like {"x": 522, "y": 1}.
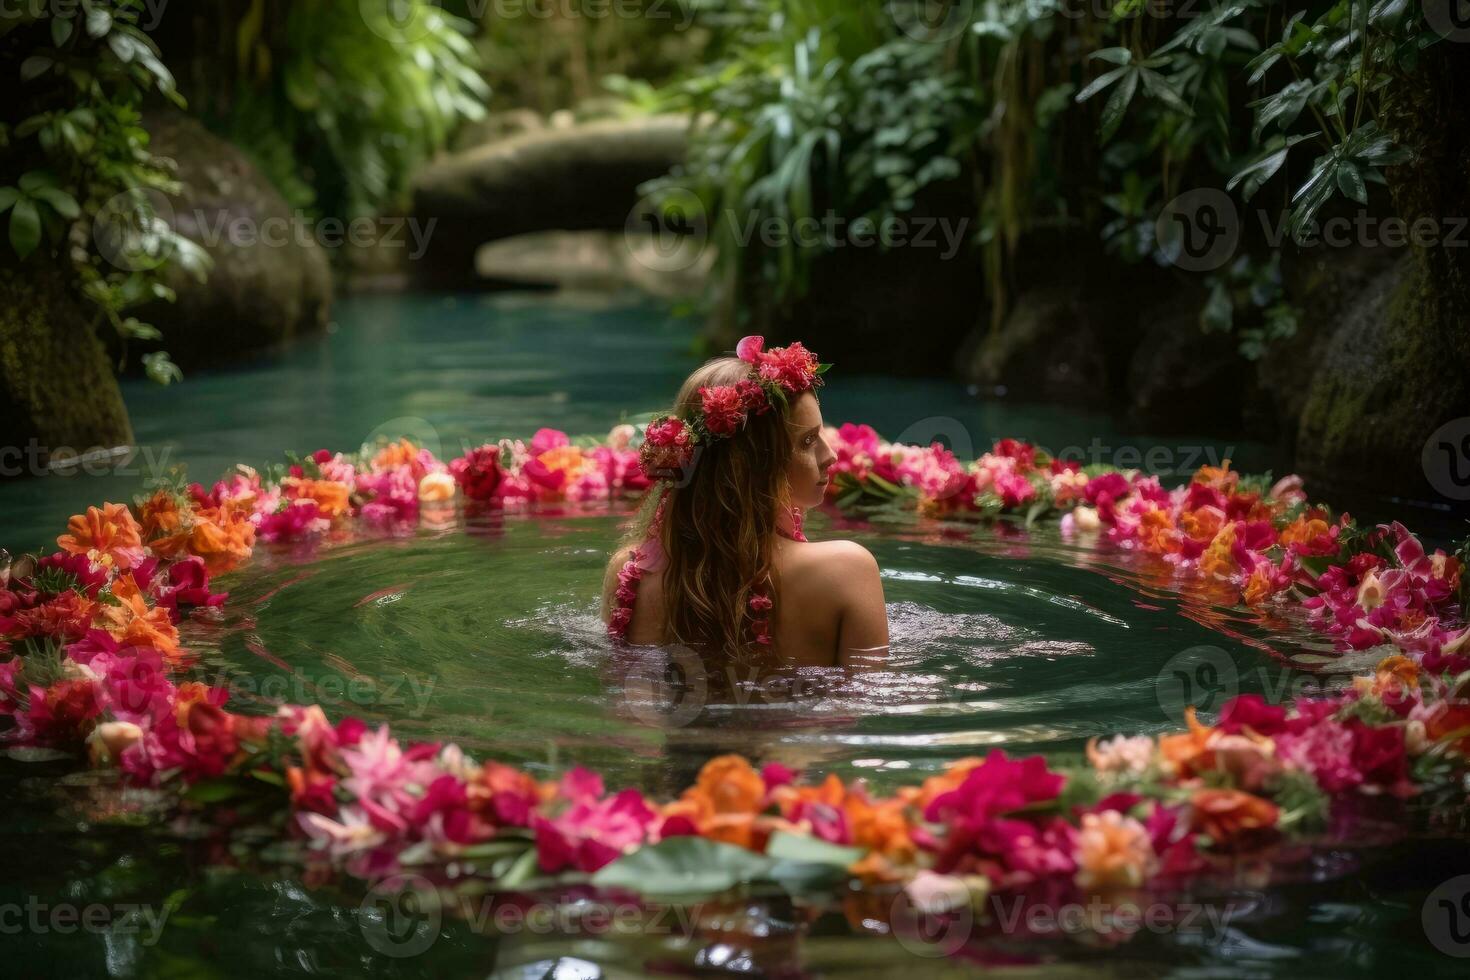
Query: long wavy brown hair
{"x": 719, "y": 523}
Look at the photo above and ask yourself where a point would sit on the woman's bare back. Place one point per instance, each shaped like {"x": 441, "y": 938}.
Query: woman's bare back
{"x": 830, "y": 608}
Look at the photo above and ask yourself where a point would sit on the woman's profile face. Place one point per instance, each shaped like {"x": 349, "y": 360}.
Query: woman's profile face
{"x": 811, "y": 457}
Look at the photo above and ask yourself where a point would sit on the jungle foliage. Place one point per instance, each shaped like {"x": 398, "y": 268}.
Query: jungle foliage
{"x": 84, "y": 183}
{"x": 1083, "y": 113}
{"x": 337, "y": 101}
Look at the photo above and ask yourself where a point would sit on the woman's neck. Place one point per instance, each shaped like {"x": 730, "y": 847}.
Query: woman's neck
{"x": 788, "y": 524}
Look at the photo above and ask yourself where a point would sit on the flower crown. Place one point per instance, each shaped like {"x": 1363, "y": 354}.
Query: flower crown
{"x": 669, "y": 442}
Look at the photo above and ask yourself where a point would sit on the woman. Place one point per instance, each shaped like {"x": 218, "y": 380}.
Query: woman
{"x": 717, "y": 561}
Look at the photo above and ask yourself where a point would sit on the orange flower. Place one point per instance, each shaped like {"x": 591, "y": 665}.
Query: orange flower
{"x": 564, "y": 459}
{"x": 1304, "y": 530}
{"x": 1181, "y": 752}
{"x": 1394, "y": 680}
{"x": 330, "y": 496}
{"x": 1224, "y": 815}
{"x": 1449, "y": 723}
{"x": 132, "y": 623}
{"x": 108, "y": 535}
{"x": 160, "y": 514}
{"x": 395, "y": 454}
{"x": 1259, "y": 587}
{"x": 730, "y": 785}
{"x": 1219, "y": 477}
{"x": 879, "y": 825}
{"x": 190, "y": 693}
{"x": 1202, "y": 524}
{"x": 223, "y": 538}
{"x": 724, "y": 803}
{"x": 1113, "y": 851}
{"x": 1217, "y": 560}
{"x": 1156, "y": 532}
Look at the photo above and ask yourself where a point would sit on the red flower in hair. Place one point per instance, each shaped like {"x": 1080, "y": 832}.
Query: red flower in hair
{"x": 668, "y": 447}
{"x": 793, "y": 368}
{"x": 723, "y": 408}
{"x": 753, "y": 396}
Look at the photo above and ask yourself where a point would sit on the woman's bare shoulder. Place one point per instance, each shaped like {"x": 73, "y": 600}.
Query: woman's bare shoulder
{"x": 834, "y": 560}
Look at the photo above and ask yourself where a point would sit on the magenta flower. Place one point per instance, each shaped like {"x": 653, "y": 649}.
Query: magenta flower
{"x": 593, "y": 833}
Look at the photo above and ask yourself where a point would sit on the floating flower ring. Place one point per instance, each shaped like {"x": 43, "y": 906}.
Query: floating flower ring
{"x": 91, "y": 665}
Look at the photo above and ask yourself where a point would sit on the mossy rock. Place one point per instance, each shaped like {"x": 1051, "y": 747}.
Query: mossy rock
{"x": 57, "y": 388}
{"x": 1398, "y": 367}
{"x": 1388, "y": 381}
{"x": 265, "y": 288}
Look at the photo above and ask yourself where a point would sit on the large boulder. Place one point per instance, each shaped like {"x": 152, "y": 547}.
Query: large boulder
{"x": 1183, "y": 378}
{"x": 58, "y": 395}
{"x": 271, "y": 281}
{"x": 580, "y": 178}
{"x": 1397, "y": 370}
{"x": 1048, "y": 348}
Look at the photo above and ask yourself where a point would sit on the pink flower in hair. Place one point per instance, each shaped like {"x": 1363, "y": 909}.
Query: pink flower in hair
{"x": 723, "y": 408}
{"x": 749, "y": 349}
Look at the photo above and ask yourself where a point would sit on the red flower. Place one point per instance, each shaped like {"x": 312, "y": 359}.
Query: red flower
{"x": 793, "y": 368}
{"x": 1023, "y": 453}
{"x": 753, "y": 396}
{"x": 1251, "y": 711}
{"x": 667, "y": 449}
{"x": 723, "y": 408}
{"x": 478, "y": 472}
{"x": 62, "y": 713}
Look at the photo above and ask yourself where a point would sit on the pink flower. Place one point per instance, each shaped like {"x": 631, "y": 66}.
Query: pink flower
{"x": 723, "y": 408}
{"x": 580, "y": 786}
{"x": 593, "y": 833}
{"x": 381, "y": 772}
{"x": 749, "y": 349}
{"x": 546, "y": 440}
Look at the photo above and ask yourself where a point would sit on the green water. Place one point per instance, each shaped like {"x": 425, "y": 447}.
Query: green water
{"x": 485, "y": 633}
